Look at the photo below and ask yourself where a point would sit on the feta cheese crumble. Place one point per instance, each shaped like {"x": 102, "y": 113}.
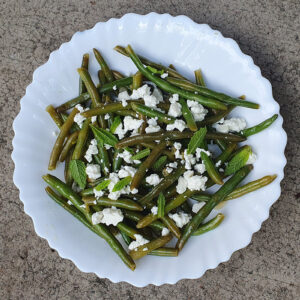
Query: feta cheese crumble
{"x": 252, "y": 158}
{"x": 108, "y": 216}
{"x": 175, "y": 110}
{"x": 200, "y": 168}
{"x": 178, "y": 124}
{"x": 197, "y": 206}
{"x": 106, "y": 117}
{"x": 98, "y": 194}
{"x": 177, "y": 146}
{"x": 79, "y": 119}
{"x": 230, "y": 125}
{"x": 91, "y": 150}
{"x": 126, "y": 171}
{"x": 139, "y": 241}
{"x": 218, "y": 163}
{"x": 190, "y": 160}
{"x": 164, "y": 75}
{"x": 165, "y": 231}
{"x": 93, "y": 171}
{"x": 154, "y": 210}
{"x": 152, "y": 126}
{"x": 191, "y": 182}
{"x": 153, "y": 179}
{"x": 198, "y": 111}
{"x": 180, "y": 218}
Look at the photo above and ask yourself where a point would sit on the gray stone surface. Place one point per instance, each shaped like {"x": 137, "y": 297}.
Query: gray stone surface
{"x": 269, "y": 267}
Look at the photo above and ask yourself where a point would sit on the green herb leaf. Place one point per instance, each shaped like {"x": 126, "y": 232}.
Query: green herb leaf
{"x": 161, "y": 201}
{"x": 121, "y": 184}
{"x": 159, "y": 164}
{"x": 141, "y": 154}
{"x": 196, "y": 140}
{"x": 102, "y": 185}
{"x": 103, "y": 136}
{"x": 77, "y": 169}
{"x": 116, "y": 122}
{"x": 154, "y": 70}
{"x": 239, "y": 160}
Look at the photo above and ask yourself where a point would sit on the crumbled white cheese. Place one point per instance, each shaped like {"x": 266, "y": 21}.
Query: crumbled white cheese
{"x": 69, "y": 202}
{"x": 114, "y": 87}
{"x": 164, "y": 75}
{"x": 231, "y": 125}
{"x": 198, "y": 111}
{"x": 79, "y": 119}
{"x": 153, "y": 179}
{"x": 169, "y": 170}
{"x": 174, "y": 98}
{"x": 119, "y": 131}
{"x": 178, "y": 124}
{"x": 134, "y": 191}
{"x": 180, "y": 218}
{"x": 173, "y": 164}
{"x": 200, "y": 168}
{"x": 190, "y": 160}
{"x": 107, "y": 147}
{"x": 252, "y": 158}
{"x": 132, "y": 124}
{"x": 221, "y": 170}
{"x": 145, "y": 249}
{"x": 126, "y": 171}
{"x": 106, "y": 117}
{"x": 152, "y": 126}
{"x": 93, "y": 171}
{"x": 165, "y": 231}
{"x": 198, "y": 153}
{"x": 139, "y": 241}
{"x": 218, "y": 163}
{"x": 98, "y": 194}
{"x": 113, "y": 180}
{"x": 191, "y": 182}
{"x": 108, "y": 216}
{"x": 177, "y": 146}
{"x": 123, "y": 97}
{"x": 94, "y": 119}
{"x": 175, "y": 110}
{"x": 197, "y": 206}
{"x": 144, "y": 92}
{"x": 181, "y": 185}
{"x": 154, "y": 210}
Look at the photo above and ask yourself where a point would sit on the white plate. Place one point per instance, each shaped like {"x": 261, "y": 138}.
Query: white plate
{"x": 188, "y": 46}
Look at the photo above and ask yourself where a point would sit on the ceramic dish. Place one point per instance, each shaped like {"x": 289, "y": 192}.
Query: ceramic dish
{"x": 188, "y": 46}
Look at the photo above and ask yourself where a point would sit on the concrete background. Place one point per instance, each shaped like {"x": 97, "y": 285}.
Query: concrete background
{"x": 269, "y": 267}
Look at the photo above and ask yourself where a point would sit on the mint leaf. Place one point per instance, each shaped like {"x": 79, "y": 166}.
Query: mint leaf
{"x": 77, "y": 169}
{"x": 238, "y": 161}
{"x": 116, "y": 122}
{"x": 196, "y": 140}
{"x": 141, "y": 154}
{"x": 102, "y": 185}
{"x": 103, "y": 136}
{"x": 121, "y": 184}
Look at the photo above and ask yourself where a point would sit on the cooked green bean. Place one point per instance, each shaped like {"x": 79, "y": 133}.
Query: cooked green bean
{"x": 101, "y": 229}
{"x": 127, "y": 112}
{"x": 73, "y": 102}
{"x": 259, "y": 127}
{"x": 192, "y": 87}
{"x": 143, "y": 250}
{"x": 58, "y": 146}
{"x": 74, "y": 126}
{"x": 170, "y": 71}
{"x": 218, "y": 197}
{"x": 164, "y": 85}
{"x": 125, "y": 237}
{"x": 161, "y": 202}
{"x": 54, "y": 115}
{"x": 210, "y": 225}
{"x": 117, "y": 160}
{"x": 152, "y": 113}
{"x": 84, "y": 64}
{"x": 170, "y": 224}
{"x": 164, "y": 184}
{"x": 188, "y": 116}
{"x": 137, "y": 80}
{"x": 67, "y": 172}
{"x": 164, "y": 251}
{"x": 101, "y": 77}
{"x": 223, "y": 157}
{"x": 211, "y": 169}
{"x": 127, "y": 229}
{"x": 117, "y": 74}
{"x": 104, "y": 109}
{"x": 217, "y": 117}
{"x": 104, "y": 67}
{"x": 166, "y": 152}
{"x": 175, "y": 135}
{"x": 104, "y": 159}
{"x": 199, "y": 77}
{"x": 81, "y": 140}
{"x": 70, "y": 142}
{"x": 145, "y": 165}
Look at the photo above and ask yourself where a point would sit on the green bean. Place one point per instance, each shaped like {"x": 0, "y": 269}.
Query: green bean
{"x": 127, "y": 112}
{"x": 164, "y": 85}
{"x": 164, "y": 251}
{"x": 58, "y": 146}
{"x": 104, "y": 109}
{"x": 117, "y": 74}
{"x": 171, "y": 66}
{"x": 199, "y": 77}
{"x": 164, "y": 184}
{"x": 127, "y": 229}
{"x": 222, "y": 144}
{"x": 143, "y": 250}
{"x": 106, "y": 70}
{"x": 223, "y": 157}
{"x": 54, "y": 115}
{"x": 171, "y": 226}
{"x": 174, "y": 135}
{"x": 117, "y": 161}
{"x": 67, "y": 172}
{"x": 137, "y": 80}
{"x": 70, "y": 142}
{"x": 121, "y": 203}
{"x": 141, "y": 154}
{"x": 125, "y": 237}
{"x": 192, "y": 87}
{"x": 103, "y": 160}
{"x": 74, "y": 126}
{"x": 102, "y": 78}
{"x": 259, "y": 127}
{"x": 87, "y": 192}
{"x": 146, "y": 164}
{"x": 101, "y": 229}
{"x": 166, "y": 152}
{"x": 108, "y": 87}
{"x": 171, "y": 191}
{"x": 218, "y": 197}
{"x": 161, "y": 202}
{"x": 188, "y": 116}
{"x": 84, "y": 64}
{"x": 170, "y": 71}
{"x": 202, "y": 197}
{"x": 211, "y": 169}
{"x": 160, "y": 163}
{"x": 210, "y": 225}
{"x": 81, "y": 140}
{"x": 90, "y": 86}
{"x": 152, "y": 113}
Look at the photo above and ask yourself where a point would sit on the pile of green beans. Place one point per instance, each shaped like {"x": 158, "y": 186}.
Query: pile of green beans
{"x": 92, "y": 135}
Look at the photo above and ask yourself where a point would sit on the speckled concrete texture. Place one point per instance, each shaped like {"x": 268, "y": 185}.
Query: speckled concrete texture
{"x": 269, "y": 267}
